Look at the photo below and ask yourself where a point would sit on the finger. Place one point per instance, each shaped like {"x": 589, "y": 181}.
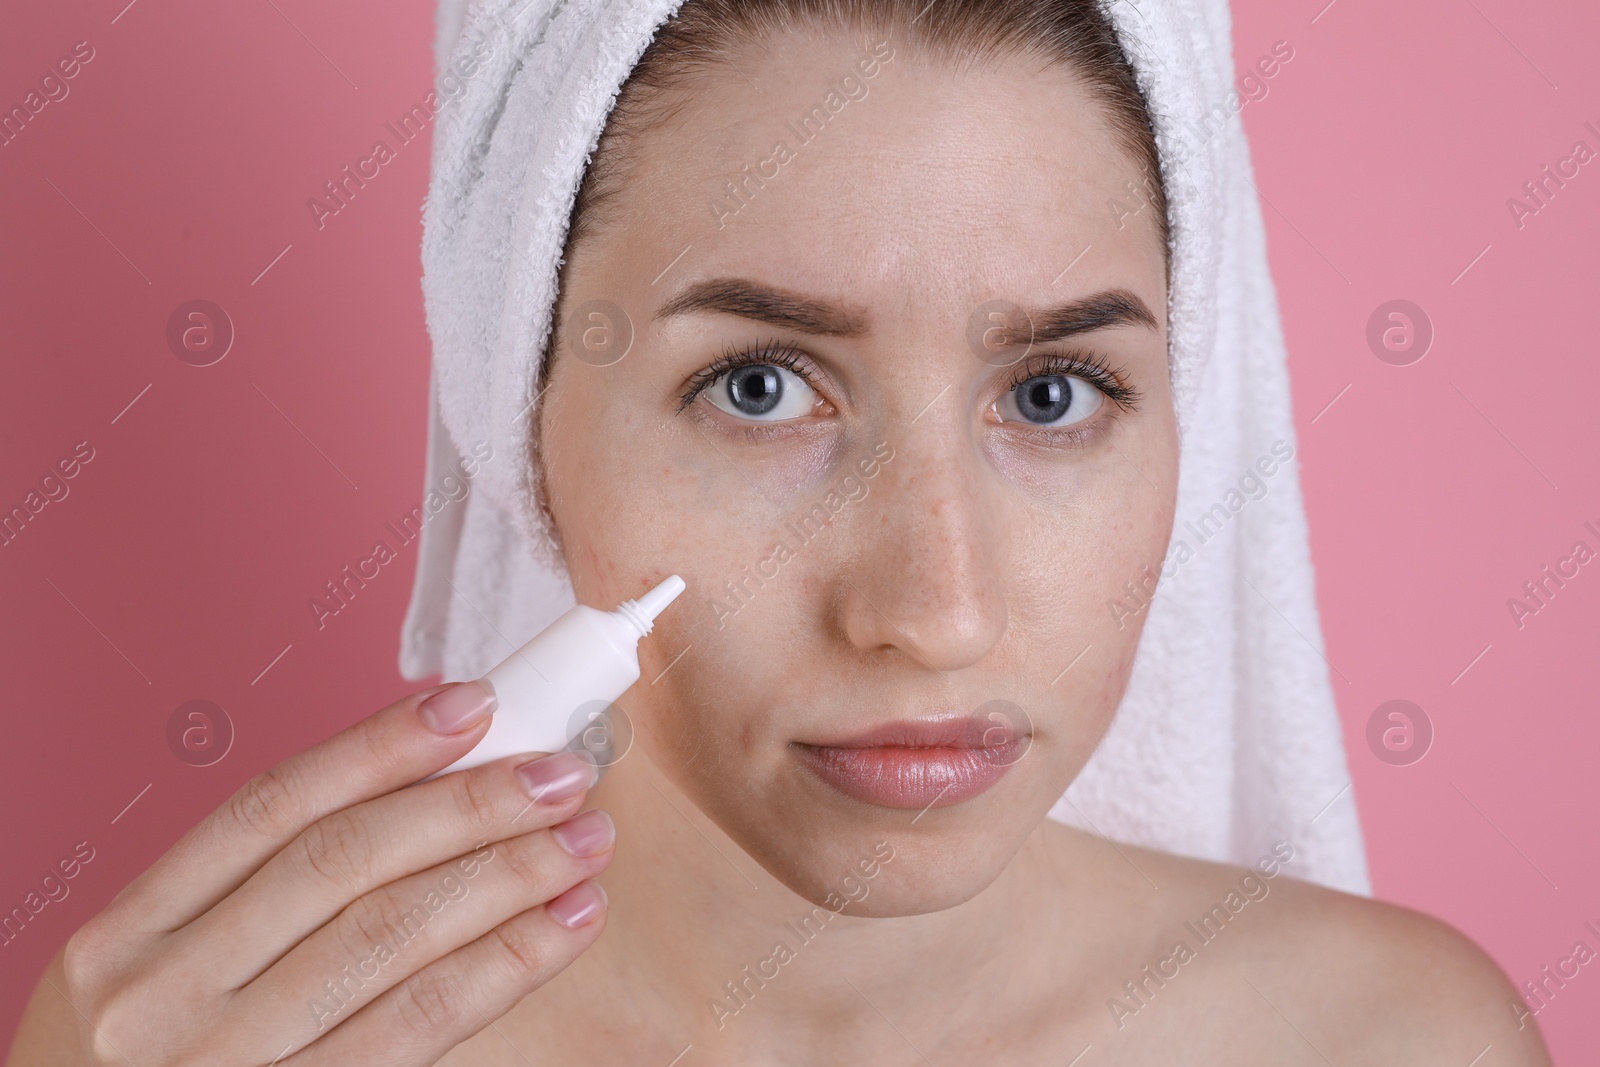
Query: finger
{"x": 358, "y": 849}
{"x": 391, "y": 748}
{"x": 421, "y": 1019}
{"x": 392, "y": 933}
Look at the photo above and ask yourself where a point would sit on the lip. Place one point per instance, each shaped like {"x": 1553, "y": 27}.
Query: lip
{"x": 920, "y": 764}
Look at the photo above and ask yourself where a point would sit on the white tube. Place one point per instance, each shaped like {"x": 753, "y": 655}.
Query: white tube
{"x": 585, "y": 656}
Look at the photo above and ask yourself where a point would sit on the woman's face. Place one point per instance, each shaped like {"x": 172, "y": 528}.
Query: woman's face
{"x": 889, "y": 506}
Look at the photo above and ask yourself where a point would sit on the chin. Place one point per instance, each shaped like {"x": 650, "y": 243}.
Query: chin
{"x": 925, "y": 874}
{"x": 864, "y": 839}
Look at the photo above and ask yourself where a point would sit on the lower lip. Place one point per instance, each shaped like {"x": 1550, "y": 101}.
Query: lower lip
{"x": 894, "y": 776}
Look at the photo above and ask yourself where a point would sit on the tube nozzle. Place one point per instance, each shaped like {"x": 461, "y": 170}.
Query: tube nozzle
{"x": 643, "y": 611}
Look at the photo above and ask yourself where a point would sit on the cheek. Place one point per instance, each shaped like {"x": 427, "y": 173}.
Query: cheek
{"x": 639, "y": 492}
{"x": 634, "y": 499}
{"x": 1071, "y": 590}
{"x": 1094, "y": 529}
{"x": 635, "y": 508}
{"x": 1080, "y": 592}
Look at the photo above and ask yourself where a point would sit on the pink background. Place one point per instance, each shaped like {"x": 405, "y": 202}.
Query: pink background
{"x": 180, "y": 564}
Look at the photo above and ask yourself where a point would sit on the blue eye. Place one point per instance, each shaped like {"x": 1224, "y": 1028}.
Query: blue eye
{"x": 1050, "y": 400}
{"x": 762, "y": 392}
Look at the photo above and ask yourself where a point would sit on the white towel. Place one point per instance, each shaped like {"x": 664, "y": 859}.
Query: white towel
{"x": 1227, "y": 739}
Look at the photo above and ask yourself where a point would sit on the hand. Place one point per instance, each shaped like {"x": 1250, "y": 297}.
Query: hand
{"x": 339, "y": 910}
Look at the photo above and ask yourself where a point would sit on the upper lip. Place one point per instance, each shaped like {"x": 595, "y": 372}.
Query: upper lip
{"x": 953, "y": 731}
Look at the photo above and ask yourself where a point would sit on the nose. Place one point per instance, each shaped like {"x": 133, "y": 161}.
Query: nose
{"x": 926, "y": 580}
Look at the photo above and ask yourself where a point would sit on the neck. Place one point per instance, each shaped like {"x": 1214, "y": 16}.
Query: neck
{"x": 708, "y": 942}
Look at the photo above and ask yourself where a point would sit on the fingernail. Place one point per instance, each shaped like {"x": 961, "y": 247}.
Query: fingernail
{"x": 456, "y": 708}
{"x": 578, "y": 906}
{"x": 586, "y": 834}
{"x": 558, "y": 777}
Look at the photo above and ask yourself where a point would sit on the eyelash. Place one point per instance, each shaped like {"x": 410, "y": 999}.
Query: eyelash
{"x": 1090, "y": 366}
{"x": 768, "y": 354}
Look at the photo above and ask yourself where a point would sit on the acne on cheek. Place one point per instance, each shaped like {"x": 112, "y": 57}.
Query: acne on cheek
{"x": 1110, "y": 681}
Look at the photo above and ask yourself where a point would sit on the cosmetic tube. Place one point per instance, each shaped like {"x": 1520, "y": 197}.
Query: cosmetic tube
{"x": 586, "y": 657}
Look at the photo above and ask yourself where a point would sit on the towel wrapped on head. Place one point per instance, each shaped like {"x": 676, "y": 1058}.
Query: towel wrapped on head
{"x": 1227, "y": 739}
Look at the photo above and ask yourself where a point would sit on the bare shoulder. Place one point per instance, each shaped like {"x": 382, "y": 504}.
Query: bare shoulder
{"x": 1411, "y": 982}
{"x": 1362, "y": 980}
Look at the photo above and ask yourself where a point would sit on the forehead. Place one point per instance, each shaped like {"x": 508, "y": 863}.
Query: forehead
{"x": 823, "y": 162}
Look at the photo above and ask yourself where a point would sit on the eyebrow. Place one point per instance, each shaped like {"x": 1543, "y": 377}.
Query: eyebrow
{"x": 1101, "y": 311}
{"x": 764, "y": 303}
{"x": 781, "y": 307}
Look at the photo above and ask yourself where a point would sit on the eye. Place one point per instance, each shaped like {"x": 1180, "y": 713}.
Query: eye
{"x": 762, "y": 391}
{"x": 1050, "y": 400}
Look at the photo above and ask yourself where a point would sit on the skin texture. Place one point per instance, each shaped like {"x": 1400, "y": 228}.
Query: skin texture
{"x": 975, "y": 567}
{"x": 982, "y": 555}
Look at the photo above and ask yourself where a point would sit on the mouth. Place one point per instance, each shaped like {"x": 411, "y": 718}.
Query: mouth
{"x": 923, "y": 763}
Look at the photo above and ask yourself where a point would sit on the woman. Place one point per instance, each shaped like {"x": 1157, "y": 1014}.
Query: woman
{"x": 905, "y": 449}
